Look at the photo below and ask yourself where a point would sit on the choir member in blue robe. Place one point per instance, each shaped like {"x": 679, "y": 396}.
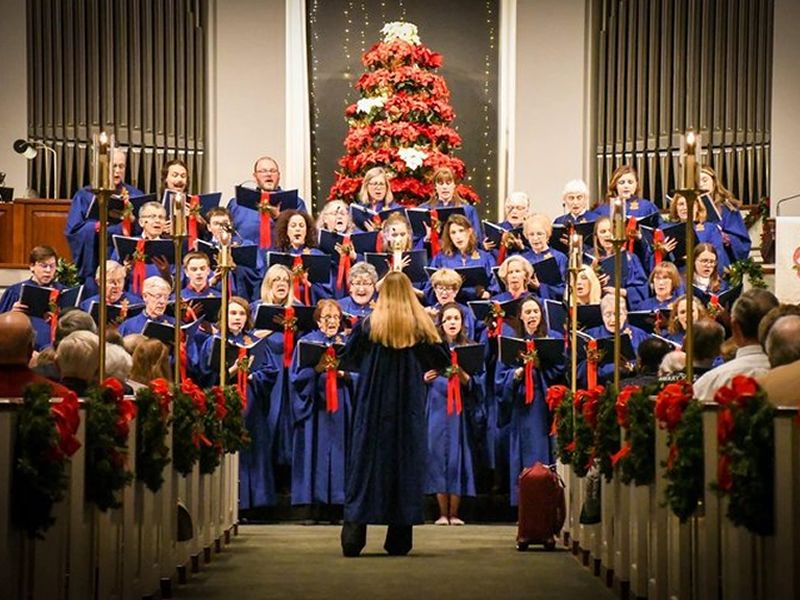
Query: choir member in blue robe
{"x": 605, "y": 371}
{"x": 575, "y": 197}
{"x": 153, "y": 221}
{"x": 81, "y": 232}
{"x": 321, "y": 419}
{"x": 390, "y": 350}
{"x": 529, "y": 427}
{"x": 199, "y": 279}
{"x": 396, "y": 230}
{"x": 538, "y": 230}
{"x": 451, "y": 474}
{"x": 277, "y": 289}
{"x": 445, "y": 284}
{"x": 665, "y": 283}
{"x": 295, "y": 234}
{"x": 706, "y": 273}
{"x": 115, "y": 288}
{"x": 588, "y": 288}
{"x": 245, "y": 280}
{"x": 376, "y": 192}
{"x": 155, "y": 293}
{"x": 624, "y": 184}
{"x": 361, "y": 283}
{"x": 335, "y": 217}
{"x": 635, "y": 284}
{"x": 247, "y": 221}
{"x": 676, "y": 329}
{"x": 735, "y": 236}
{"x": 516, "y": 209}
{"x": 460, "y": 249}
{"x": 446, "y": 195}
{"x": 42, "y": 264}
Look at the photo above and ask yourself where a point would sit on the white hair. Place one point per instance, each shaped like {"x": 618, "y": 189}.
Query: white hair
{"x": 155, "y": 281}
{"x": 78, "y": 355}
{"x": 575, "y": 186}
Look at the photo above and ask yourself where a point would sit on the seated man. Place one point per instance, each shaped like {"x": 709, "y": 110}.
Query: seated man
{"x": 246, "y": 220}
{"x": 81, "y": 232}
{"x": 155, "y": 294}
{"x": 16, "y": 349}
{"x": 783, "y": 349}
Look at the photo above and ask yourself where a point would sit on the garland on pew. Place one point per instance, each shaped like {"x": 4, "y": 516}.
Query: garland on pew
{"x": 216, "y": 411}
{"x": 44, "y": 442}
{"x": 606, "y": 432}
{"x": 681, "y": 415}
{"x": 107, "y": 428}
{"x": 152, "y": 426}
{"x": 746, "y": 467}
{"x": 235, "y": 436}
{"x": 585, "y": 405}
{"x": 189, "y": 408}
{"x": 636, "y": 459}
{"x": 559, "y": 401}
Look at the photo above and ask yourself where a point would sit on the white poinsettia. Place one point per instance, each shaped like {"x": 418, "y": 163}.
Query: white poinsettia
{"x": 399, "y": 30}
{"x": 412, "y": 157}
{"x": 366, "y": 105}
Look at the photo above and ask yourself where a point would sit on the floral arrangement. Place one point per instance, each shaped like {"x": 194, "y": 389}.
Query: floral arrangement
{"x": 152, "y": 426}
{"x": 402, "y": 121}
{"x": 585, "y": 405}
{"x": 188, "y": 433}
{"x": 606, "y": 432}
{"x": 559, "y": 401}
{"x": 636, "y": 459}
{"x": 681, "y": 415}
{"x": 66, "y": 273}
{"x": 746, "y": 468}
{"x": 107, "y": 427}
{"x": 44, "y": 442}
{"x": 736, "y": 272}
{"x": 235, "y": 436}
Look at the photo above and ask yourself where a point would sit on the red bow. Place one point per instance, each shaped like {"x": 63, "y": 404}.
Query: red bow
{"x": 52, "y": 314}
{"x": 591, "y": 364}
{"x": 622, "y": 453}
{"x": 289, "y": 324}
{"x": 182, "y": 354}
{"x": 194, "y": 209}
{"x": 530, "y": 386}
{"x": 139, "y": 272}
{"x": 300, "y": 281}
{"x": 630, "y": 232}
{"x": 435, "y": 246}
{"x": 241, "y": 374}
{"x": 344, "y": 263}
{"x": 220, "y": 410}
{"x": 66, "y": 418}
{"x": 376, "y": 219}
{"x": 498, "y": 320}
{"x": 127, "y": 213}
{"x": 265, "y": 222}
{"x": 454, "y": 386}
{"x": 658, "y": 243}
{"x": 331, "y": 390}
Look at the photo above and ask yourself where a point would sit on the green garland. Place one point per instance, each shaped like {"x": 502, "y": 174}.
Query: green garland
{"x": 559, "y": 400}
{"x": 638, "y": 464}
{"x": 606, "y": 432}
{"x": 152, "y": 428}
{"x": 746, "y": 468}
{"x": 107, "y": 428}
{"x": 211, "y": 454}
{"x": 235, "y": 436}
{"x": 585, "y": 405}
{"x": 44, "y": 442}
{"x": 736, "y": 272}
{"x": 189, "y": 407}
{"x": 66, "y": 273}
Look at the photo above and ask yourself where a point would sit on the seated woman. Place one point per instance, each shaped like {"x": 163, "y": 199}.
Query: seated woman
{"x": 445, "y": 194}
{"x": 676, "y": 329}
{"x": 445, "y": 284}
{"x": 295, "y": 234}
{"x": 450, "y": 473}
{"x": 516, "y": 209}
{"x": 705, "y": 231}
{"x": 537, "y": 231}
{"x": 376, "y": 192}
{"x": 635, "y": 284}
{"x": 361, "y": 282}
{"x": 529, "y": 427}
{"x": 624, "y": 184}
{"x": 321, "y": 416}
{"x": 665, "y": 281}
{"x": 706, "y": 271}
{"x": 150, "y": 361}
{"x": 575, "y": 197}
{"x": 460, "y": 249}
{"x": 735, "y": 237}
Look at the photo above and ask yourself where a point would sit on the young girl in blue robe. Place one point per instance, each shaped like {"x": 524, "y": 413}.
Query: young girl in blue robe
{"x": 635, "y": 283}
{"x": 735, "y": 237}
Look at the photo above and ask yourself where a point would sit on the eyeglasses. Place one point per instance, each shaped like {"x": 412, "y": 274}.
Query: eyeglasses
{"x": 156, "y": 296}
{"x": 158, "y": 217}
{"x": 443, "y": 289}
{"x": 51, "y": 266}
{"x": 376, "y": 184}
{"x": 707, "y": 261}
{"x": 362, "y": 284}
{"x": 336, "y": 317}
{"x": 267, "y": 171}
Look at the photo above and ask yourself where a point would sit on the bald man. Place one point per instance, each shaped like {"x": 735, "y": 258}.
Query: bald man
{"x": 16, "y": 349}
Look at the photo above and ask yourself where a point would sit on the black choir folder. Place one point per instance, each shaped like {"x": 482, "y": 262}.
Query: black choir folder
{"x": 549, "y": 351}
{"x": 361, "y": 214}
{"x": 676, "y": 231}
{"x": 249, "y": 198}
{"x": 606, "y": 266}
{"x": 494, "y": 233}
{"x": 116, "y": 206}
{"x": 271, "y": 317}
{"x": 245, "y": 255}
{"x": 589, "y": 315}
{"x": 470, "y": 357}
{"x": 37, "y": 298}
{"x": 256, "y": 348}
{"x": 126, "y": 247}
{"x": 166, "y": 331}
{"x": 559, "y": 238}
{"x": 482, "y": 308}
{"x": 605, "y": 345}
{"x": 547, "y": 271}
{"x": 725, "y": 298}
{"x": 415, "y": 270}
{"x": 646, "y": 319}
{"x": 317, "y": 266}
{"x": 207, "y": 202}
{"x": 420, "y": 217}
{"x": 362, "y": 241}
{"x": 114, "y": 312}
{"x": 310, "y": 353}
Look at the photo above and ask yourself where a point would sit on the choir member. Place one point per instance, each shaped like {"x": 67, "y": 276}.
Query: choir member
{"x": 445, "y": 284}
{"x": 735, "y": 236}
{"x": 575, "y": 197}
{"x": 335, "y": 217}
{"x": 705, "y": 231}
{"x": 676, "y": 329}
{"x": 295, "y": 234}
{"x": 376, "y": 192}
{"x": 665, "y": 282}
{"x": 450, "y": 473}
{"x": 361, "y": 283}
{"x": 460, "y": 249}
{"x": 635, "y": 284}
{"x": 154, "y": 225}
{"x": 516, "y": 209}
{"x": 393, "y": 347}
{"x": 624, "y": 184}
{"x": 115, "y": 287}
{"x": 155, "y": 293}
{"x": 199, "y": 279}
{"x": 706, "y": 273}
{"x": 446, "y": 195}
{"x": 588, "y": 289}
{"x": 537, "y": 231}
{"x": 516, "y": 273}
{"x": 246, "y": 279}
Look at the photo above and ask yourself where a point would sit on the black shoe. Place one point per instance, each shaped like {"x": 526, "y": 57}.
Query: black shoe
{"x": 399, "y": 540}
{"x": 354, "y": 538}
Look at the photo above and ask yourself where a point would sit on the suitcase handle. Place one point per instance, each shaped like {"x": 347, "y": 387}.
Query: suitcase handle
{"x": 554, "y": 471}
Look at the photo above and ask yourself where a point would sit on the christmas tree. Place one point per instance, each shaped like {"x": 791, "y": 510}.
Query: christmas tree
{"x": 402, "y": 121}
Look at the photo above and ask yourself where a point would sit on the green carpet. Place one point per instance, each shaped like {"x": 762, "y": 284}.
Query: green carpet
{"x": 474, "y": 561}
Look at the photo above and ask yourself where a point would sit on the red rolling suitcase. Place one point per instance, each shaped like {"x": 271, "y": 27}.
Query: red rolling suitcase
{"x": 541, "y": 507}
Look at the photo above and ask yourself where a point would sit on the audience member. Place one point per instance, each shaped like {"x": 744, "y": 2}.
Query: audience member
{"x": 77, "y": 357}
{"x": 16, "y": 349}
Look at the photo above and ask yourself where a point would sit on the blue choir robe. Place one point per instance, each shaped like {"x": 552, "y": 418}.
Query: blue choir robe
{"x": 653, "y": 303}
{"x": 81, "y": 234}
{"x": 605, "y": 372}
{"x": 468, "y": 318}
{"x": 189, "y": 293}
{"x": 549, "y": 290}
{"x": 677, "y": 337}
{"x": 320, "y": 437}
{"x": 279, "y": 416}
{"x": 385, "y": 473}
{"x": 709, "y": 233}
{"x": 247, "y": 221}
{"x": 479, "y": 258}
{"x": 86, "y": 305}
{"x": 41, "y": 327}
{"x": 378, "y": 207}
{"x": 150, "y": 269}
{"x": 245, "y": 281}
{"x": 350, "y": 307}
{"x": 636, "y": 282}
{"x": 723, "y": 285}
{"x": 634, "y": 207}
{"x": 136, "y": 324}
{"x": 568, "y": 218}
{"x": 469, "y": 211}
{"x": 733, "y": 225}
{"x": 318, "y": 290}
{"x": 529, "y": 426}
{"x": 450, "y": 438}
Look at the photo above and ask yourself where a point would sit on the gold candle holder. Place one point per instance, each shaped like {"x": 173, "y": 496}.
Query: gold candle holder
{"x": 690, "y": 154}
{"x": 102, "y": 184}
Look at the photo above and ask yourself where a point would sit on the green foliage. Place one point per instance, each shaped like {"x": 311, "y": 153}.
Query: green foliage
{"x": 186, "y": 428}
{"x": 66, "y": 273}
{"x": 235, "y": 436}
{"x": 685, "y": 469}
{"x": 564, "y": 429}
{"x": 746, "y": 267}
{"x": 152, "y": 427}
{"x": 607, "y": 432}
{"x": 638, "y": 467}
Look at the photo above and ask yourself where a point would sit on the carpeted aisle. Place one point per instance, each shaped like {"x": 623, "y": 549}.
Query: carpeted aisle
{"x": 475, "y": 561}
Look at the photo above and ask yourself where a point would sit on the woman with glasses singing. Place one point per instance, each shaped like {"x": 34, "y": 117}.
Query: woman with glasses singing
{"x": 376, "y": 190}
{"x": 706, "y": 270}
{"x": 537, "y": 231}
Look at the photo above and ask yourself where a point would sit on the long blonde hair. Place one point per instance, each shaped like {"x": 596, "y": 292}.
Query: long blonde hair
{"x": 398, "y": 320}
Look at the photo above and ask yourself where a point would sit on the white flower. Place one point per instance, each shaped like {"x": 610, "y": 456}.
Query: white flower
{"x": 398, "y": 30}
{"x": 365, "y": 105}
{"x": 412, "y": 157}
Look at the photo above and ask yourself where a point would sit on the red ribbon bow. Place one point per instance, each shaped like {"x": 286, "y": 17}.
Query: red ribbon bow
{"x": 331, "y": 390}
{"x": 127, "y": 219}
{"x": 435, "y": 245}
{"x": 454, "y": 402}
{"x": 300, "y": 284}
{"x": 66, "y": 418}
{"x": 591, "y": 364}
{"x": 139, "y": 272}
{"x": 658, "y": 241}
{"x": 194, "y": 209}
{"x": 498, "y": 320}
{"x": 241, "y": 374}
{"x": 265, "y": 222}
{"x": 288, "y": 335}
{"x": 630, "y": 232}
{"x": 52, "y": 315}
{"x": 376, "y": 219}
{"x": 344, "y": 264}
{"x": 530, "y": 386}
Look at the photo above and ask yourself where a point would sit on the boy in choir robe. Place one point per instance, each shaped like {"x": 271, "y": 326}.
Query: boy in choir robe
{"x": 42, "y": 264}
{"x": 81, "y": 232}
{"x": 199, "y": 280}
{"x": 115, "y": 287}
{"x": 247, "y": 221}
{"x": 155, "y": 293}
